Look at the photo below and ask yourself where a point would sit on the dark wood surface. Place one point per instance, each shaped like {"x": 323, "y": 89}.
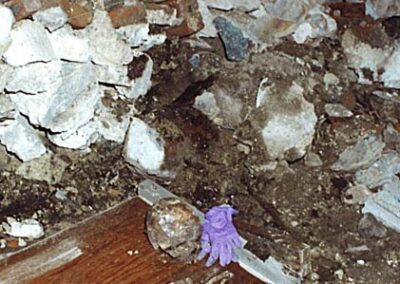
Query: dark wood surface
{"x": 109, "y": 248}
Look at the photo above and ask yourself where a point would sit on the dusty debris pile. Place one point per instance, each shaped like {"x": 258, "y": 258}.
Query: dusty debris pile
{"x": 287, "y": 110}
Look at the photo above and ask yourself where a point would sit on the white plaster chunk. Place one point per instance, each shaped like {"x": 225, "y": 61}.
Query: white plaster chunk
{"x": 70, "y": 45}
{"x": 114, "y": 75}
{"x": 138, "y": 36}
{"x": 262, "y": 92}
{"x": 337, "y": 110}
{"x": 226, "y": 5}
{"x": 48, "y": 168}
{"x": 5, "y": 73}
{"x": 160, "y": 17}
{"x": 21, "y": 139}
{"x": 367, "y": 150}
{"x": 30, "y": 43}
{"x": 391, "y": 75}
{"x": 141, "y": 85}
{"x": 317, "y": 24}
{"x": 380, "y": 172}
{"x": 288, "y": 128}
{"x": 35, "y": 78}
{"x": 144, "y": 147}
{"x": 207, "y": 104}
{"x": 70, "y": 106}
{"x": 79, "y": 139}
{"x": 209, "y": 30}
{"x": 362, "y": 56}
{"x": 385, "y": 204}
{"x": 105, "y": 44}
{"x": 6, "y": 21}
{"x": 52, "y": 18}
{"x": 28, "y": 228}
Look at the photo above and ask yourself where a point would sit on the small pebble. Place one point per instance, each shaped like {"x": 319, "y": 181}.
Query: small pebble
{"x": 195, "y": 60}
{"x": 21, "y": 242}
{"x": 361, "y": 262}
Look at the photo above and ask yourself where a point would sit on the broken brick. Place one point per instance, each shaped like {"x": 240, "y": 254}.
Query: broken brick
{"x": 127, "y": 15}
{"x": 80, "y": 13}
{"x": 189, "y": 11}
{"x": 23, "y": 8}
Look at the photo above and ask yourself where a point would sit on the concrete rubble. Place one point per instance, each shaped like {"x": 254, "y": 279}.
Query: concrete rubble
{"x": 6, "y": 21}
{"x": 28, "y": 228}
{"x": 65, "y": 68}
{"x": 381, "y": 62}
{"x": 145, "y": 148}
{"x": 361, "y": 155}
{"x": 287, "y": 132}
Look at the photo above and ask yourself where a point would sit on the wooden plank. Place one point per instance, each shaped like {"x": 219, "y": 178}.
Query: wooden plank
{"x": 109, "y": 248}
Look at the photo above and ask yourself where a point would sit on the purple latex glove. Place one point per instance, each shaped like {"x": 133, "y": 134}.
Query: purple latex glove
{"x": 219, "y": 236}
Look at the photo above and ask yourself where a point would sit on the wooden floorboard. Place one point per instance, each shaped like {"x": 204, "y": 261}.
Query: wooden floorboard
{"x": 109, "y": 248}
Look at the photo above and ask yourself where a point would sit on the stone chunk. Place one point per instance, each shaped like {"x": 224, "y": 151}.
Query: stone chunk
{"x": 30, "y": 43}
{"x": 144, "y": 147}
{"x": 35, "y": 78}
{"x": 69, "y": 106}
{"x": 21, "y": 139}
{"x": 289, "y": 121}
{"x": 70, "y": 45}
{"x": 6, "y": 21}
{"x": 236, "y": 45}
{"x": 366, "y": 151}
{"x": 52, "y": 18}
{"x": 100, "y": 34}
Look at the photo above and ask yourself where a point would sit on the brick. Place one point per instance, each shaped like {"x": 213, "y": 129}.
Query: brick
{"x": 80, "y": 13}
{"x": 127, "y": 15}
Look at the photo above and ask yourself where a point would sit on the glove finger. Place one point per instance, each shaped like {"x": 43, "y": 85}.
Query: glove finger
{"x": 225, "y": 254}
{"x": 213, "y": 255}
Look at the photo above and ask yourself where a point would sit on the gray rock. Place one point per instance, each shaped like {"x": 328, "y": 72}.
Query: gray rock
{"x": 113, "y": 75}
{"x": 70, "y": 45}
{"x": 68, "y": 107}
{"x": 52, "y": 18}
{"x": 141, "y": 85}
{"x": 144, "y": 148}
{"x": 236, "y": 45}
{"x": 138, "y": 36}
{"x": 21, "y": 139}
{"x": 6, "y": 21}
{"x": 79, "y": 139}
{"x": 30, "y": 43}
{"x": 337, "y": 110}
{"x": 35, "y": 78}
{"x": 369, "y": 227}
{"x": 385, "y": 205}
{"x": 286, "y": 128}
{"x": 313, "y": 160}
{"x": 380, "y": 172}
{"x": 100, "y": 34}
{"x": 361, "y": 155}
